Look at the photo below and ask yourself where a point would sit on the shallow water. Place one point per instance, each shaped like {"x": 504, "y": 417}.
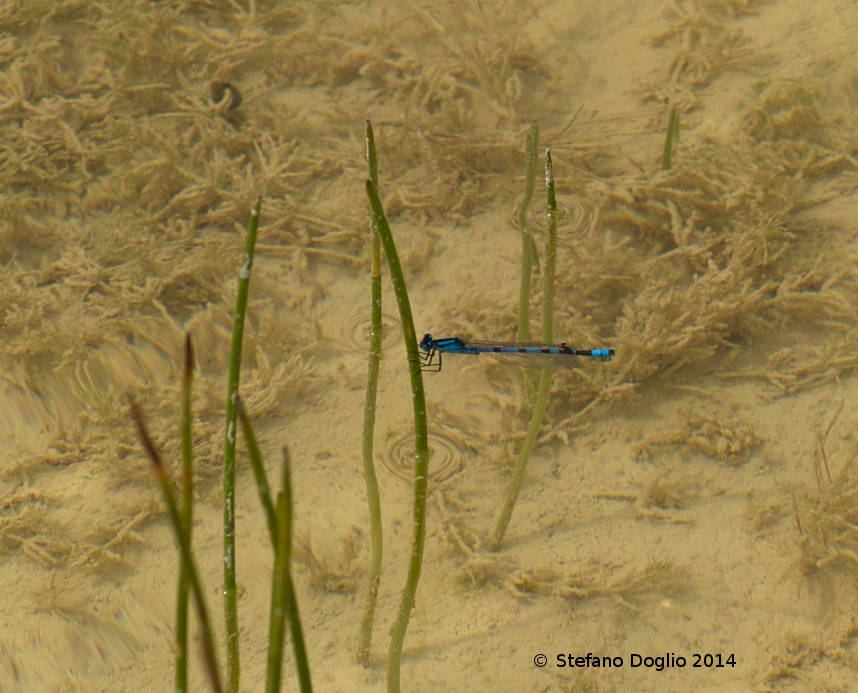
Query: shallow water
{"x": 689, "y": 498}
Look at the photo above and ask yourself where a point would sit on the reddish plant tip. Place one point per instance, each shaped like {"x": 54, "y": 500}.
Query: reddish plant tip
{"x": 148, "y": 445}
{"x": 189, "y": 355}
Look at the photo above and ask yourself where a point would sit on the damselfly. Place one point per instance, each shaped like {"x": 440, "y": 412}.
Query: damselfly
{"x": 433, "y": 349}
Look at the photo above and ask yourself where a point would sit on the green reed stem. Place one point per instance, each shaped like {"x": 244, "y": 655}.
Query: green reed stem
{"x": 421, "y": 441}
{"x": 258, "y": 468}
{"x": 209, "y": 656}
{"x": 186, "y": 515}
{"x": 280, "y": 581}
{"x": 543, "y": 387}
{"x": 528, "y": 247}
{"x": 671, "y": 137}
{"x": 283, "y": 602}
{"x": 372, "y": 495}
{"x": 550, "y": 254}
{"x": 230, "y": 590}
{"x": 286, "y": 589}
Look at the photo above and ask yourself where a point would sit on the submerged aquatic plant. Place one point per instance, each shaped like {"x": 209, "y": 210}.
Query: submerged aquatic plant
{"x": 372, "y": 495}
{"x": 179, "y": 519}
{"x": 544, "y": 384}
{"x": 230, "y": 592}
{"x": 283, "y": 604}
{"x": 421, "y": 440}
{"x": 528, "y": 247}
{"x": 671, "y": 137}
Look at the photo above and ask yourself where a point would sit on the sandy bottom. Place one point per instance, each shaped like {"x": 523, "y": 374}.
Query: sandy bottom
{"x": 694, "y": 534}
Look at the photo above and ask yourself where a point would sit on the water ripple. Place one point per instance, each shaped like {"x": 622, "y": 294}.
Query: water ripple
{"x": 570, "y": 215}
{"x": 356, "y": 332}
{"x": 445, "y": 457}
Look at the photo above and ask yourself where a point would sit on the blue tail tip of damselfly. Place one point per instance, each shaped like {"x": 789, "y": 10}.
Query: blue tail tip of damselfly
{"x": 604, "y": 354}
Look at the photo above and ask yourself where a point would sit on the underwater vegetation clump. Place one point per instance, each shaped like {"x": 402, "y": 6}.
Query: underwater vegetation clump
{"x": 704, "y": 256}
{"x": 826, "y": 516}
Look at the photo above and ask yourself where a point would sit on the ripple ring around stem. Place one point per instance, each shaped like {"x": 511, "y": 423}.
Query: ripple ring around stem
{"x": 357, "y": 334}
{"x": 445, "y": 457}
{"x": 569, "y": 215}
